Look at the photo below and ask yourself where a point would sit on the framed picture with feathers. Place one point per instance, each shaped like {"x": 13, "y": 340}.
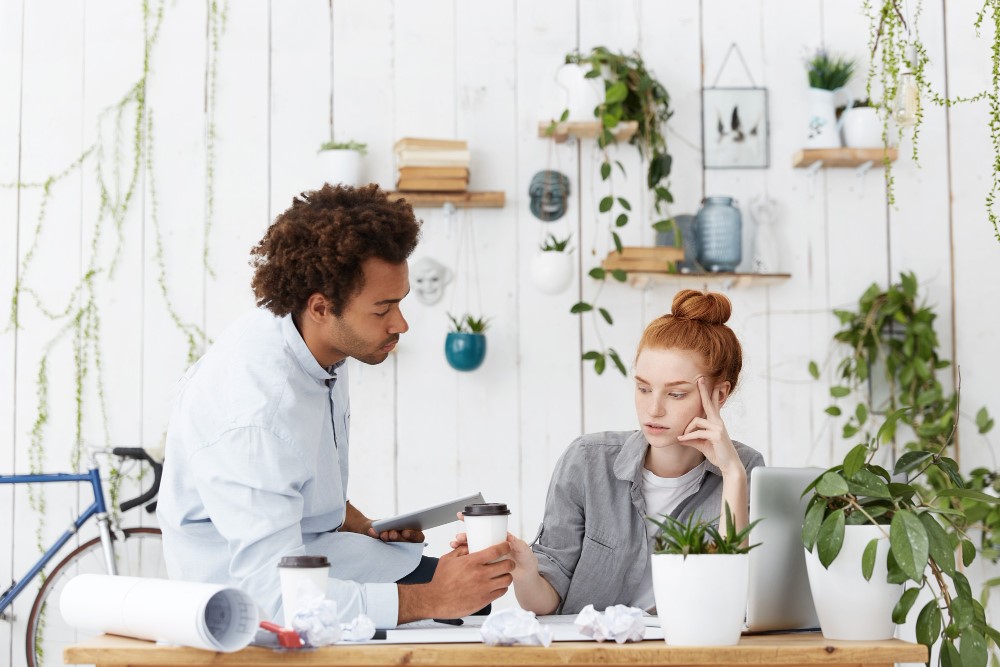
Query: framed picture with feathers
{"x": 734, "y": 128}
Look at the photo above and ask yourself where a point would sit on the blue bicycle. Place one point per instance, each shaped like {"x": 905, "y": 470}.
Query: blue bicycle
{"x": 126, "y": 551}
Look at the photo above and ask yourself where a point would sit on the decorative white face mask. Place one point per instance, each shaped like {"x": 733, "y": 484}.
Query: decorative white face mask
{"x": 429, "y": 278}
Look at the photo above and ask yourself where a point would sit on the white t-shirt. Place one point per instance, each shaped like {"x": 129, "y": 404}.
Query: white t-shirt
{"x": 662, "y": 496}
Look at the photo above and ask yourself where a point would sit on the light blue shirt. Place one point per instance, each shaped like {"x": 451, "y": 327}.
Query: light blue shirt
{"x": 256, "y": 468}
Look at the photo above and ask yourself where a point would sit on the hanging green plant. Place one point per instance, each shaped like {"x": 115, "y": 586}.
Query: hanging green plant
{"x": 631, "y": 93}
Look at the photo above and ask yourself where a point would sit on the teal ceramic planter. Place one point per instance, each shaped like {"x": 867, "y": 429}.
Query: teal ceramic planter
{"x": 465, "y": 351}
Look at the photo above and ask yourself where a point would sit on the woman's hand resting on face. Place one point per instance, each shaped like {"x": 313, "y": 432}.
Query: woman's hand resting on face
{"x": 708, "y": 434}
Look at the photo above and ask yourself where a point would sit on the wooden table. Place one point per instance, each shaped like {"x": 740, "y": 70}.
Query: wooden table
{"x": 758, "y": 650}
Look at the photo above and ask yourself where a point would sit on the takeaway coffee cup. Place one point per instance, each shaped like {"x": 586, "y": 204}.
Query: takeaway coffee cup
{"x": 296, "y": 571}
{"x": 485, "y": 525}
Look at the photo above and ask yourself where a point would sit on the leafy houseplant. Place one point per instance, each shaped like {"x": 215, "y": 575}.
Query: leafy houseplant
{"x": 631, "y": 93}
{"x": 829, "y": 72}
{"x": 827, "y": 76}
{"x": 342, "y": 161}
{"x": 465, "y": 346}
{"x": 552, "y": 244}
{"x": 552, "y": 266}
{"x": 707, "y": 568}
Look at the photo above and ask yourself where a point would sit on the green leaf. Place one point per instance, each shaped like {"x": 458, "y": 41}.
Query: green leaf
{"x": 621, "y": 220}
{"x": 911, "y": 461}
{"x": 812, "y": 523}
{"x": 909, "y": 543}
{"x": 624, "y": 204}
{"x": 967, "y": 493}
{"x": 831, "y": 484}
{"x": 868, "y": 559}
{"x": 854, "y": 460}
{"x": 580, "y": 307}
{"x": 565, "y": 116}
{"x": 618, "y": 241}
{"x": 616, "y": 92}
{"x": 983, "y": 421}
{"x": 619, "y": 274}
{"x": 968, "y": 553}
{"x": 599, "y": 364}
{"x": 867, "y": 483}
{"x": 814, "y": 370}
{"x": 591, "y": 355}
{"x": 621, "y": 167}
{"x": 940, "y": 545}
{"x": 606, "y": 315}
{"x": 839, "y": 392}
{"x": 597, "y": 273}
{"x": 962, "y": 586}
{"x": 963, "y": 613}
{"x": 902, "y": 608}
{"x": 861, "y": 413}
{"x": 833, "y": 410}
{"x": 605, "y": 170}
{"x": 972, "y": 647}
{"x": 929, "y": 623}
{"x": 606, "y": 204}
{"x": 831, "y": 537}
{"x": 618, "y": 362}
{"x": 949, "y": 656}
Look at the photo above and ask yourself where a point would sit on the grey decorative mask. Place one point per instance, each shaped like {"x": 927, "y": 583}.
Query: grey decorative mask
{"x": 549, "y": 190}
{"x": 429, "y": 280}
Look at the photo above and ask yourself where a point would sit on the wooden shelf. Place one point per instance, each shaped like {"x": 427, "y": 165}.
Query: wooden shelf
{"x": 586, "y": 129}
{"x": 843, "y": 157}
{"x": 705, "y": 281}
{"x": 484, "y": 199}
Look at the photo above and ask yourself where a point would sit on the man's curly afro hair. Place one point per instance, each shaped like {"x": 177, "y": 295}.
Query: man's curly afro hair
{"x": 320, "y": 243}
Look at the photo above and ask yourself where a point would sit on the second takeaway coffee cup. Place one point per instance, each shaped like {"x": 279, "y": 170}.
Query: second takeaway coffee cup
{"x": 485, "y": 525}
{"x": 294, "y": 571}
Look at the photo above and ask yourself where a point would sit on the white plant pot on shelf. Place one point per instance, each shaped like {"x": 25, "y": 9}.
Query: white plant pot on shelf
{"x": 582, "y": 95}
{"x": 701, "y": 600}
{"x": 849, "y": 607}
{"x": 861, "y": 127}
{"x": 822, "y": 130}
{"x": 341, "y": 166}
{"x": 552, "y": 271}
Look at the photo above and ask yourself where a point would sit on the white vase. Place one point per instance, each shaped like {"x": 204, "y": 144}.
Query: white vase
{"x": 552, "y": 271}
{"x": 822, "y": 130}
{"x": 341, "y": 166}
{"x": 582, "y": 95}
{"x": 701, "y": 600}
{"x": 849, "y": 607}
{"x": 861, "y": 127}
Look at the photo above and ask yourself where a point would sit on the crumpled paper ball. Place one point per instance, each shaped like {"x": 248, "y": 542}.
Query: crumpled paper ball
{"x": 621, "y": 623}
{"x": 514, "y": 627}
{"x": 360, "y": 629}
{"x": 317, "y": 623}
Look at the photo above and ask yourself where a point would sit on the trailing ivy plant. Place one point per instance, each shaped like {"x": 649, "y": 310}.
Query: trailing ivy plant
{"x": 897, "y": 48}
{"x": 889, "y": 340}
{"x": 631, "y": 93}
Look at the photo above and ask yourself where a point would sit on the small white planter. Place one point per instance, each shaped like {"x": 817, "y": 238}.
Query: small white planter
{"x": 821, "y": 129}
{"x": 701, "y": 600}
{"x": 862, "y": 128}
{"x": 848, "y": 606}
{"x": 341, "y": 166}
{"x": 552, "y": 271}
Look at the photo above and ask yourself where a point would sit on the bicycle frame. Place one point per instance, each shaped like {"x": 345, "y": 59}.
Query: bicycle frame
{"x": 97, "y": 508}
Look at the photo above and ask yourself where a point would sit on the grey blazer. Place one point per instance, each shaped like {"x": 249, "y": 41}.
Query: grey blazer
{"x": 592, "y": 544}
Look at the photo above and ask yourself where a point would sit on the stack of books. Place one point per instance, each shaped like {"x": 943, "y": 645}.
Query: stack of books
{"x": 655, "y": 259}
{"x": 432, "y": 165}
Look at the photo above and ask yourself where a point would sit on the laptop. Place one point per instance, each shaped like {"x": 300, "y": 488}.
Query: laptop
{"x": 779, "y": 596}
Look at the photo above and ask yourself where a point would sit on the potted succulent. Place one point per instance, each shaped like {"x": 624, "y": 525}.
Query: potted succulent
{"x": 465, "y": 346}
{"x": 828, "y": 75}
{"x": 552, "y": 267}
{"x": 710, "y": 571}
{"x": 341, "y": 162}
{"x": 861, "y": 125}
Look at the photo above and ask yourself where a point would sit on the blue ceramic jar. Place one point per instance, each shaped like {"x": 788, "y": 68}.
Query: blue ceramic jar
{"x": 465, "y": 351}
{"x": 718, "y": 230}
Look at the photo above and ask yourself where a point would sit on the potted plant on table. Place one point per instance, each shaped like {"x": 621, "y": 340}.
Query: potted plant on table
{"x": 861, "y": 125}
{"x": 552, "y": 266}
{"x": 828, "y": 74}
{"x": 700, "y": 580}
{"x": 341, "y": 162}
{"x": 465, "y": 346}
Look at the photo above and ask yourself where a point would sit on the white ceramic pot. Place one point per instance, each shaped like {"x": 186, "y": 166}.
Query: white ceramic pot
{"x": 822, "y": 130}
{"x": 341, "y": 166}
{"x": 582, "y": 95}
{"x": 552, "y": 271}
{"x": 861, "y": 127}
{"x": 848, "y": 606}
{"x": 701, "y": 600}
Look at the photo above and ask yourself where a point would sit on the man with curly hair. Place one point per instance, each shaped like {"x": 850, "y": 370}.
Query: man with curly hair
{"x": 257, "y": 445}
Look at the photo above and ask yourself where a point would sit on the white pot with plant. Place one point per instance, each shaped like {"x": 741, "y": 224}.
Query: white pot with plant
{"x": 827, "y": 77}
{"x": 700, "y": 581}
{"x": 861, "y": 126}
{"x": 552, "y": 266}
{"x": 341, "y": 162}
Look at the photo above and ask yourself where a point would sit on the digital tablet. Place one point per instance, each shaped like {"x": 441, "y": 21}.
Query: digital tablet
{"x": 429, "y": 517}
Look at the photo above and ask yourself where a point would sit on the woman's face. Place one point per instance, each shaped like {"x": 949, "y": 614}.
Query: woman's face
{"x": 666, "y": 393}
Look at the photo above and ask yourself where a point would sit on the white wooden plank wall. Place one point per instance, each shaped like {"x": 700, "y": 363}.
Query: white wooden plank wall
{"x": 293, "y": 74}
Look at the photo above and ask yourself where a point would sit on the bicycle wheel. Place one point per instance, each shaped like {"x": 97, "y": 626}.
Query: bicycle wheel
{"x": 139, "y": 555}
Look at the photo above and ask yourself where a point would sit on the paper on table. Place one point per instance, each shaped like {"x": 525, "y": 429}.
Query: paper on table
{"x": 199, "y": 615}
{"x": 431, "y": 632}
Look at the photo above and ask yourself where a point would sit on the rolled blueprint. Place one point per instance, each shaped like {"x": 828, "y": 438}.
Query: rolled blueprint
{"x": 199, "y": 615}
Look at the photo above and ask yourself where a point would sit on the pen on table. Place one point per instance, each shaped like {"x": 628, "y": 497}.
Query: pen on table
{"x": 449, "y": 621}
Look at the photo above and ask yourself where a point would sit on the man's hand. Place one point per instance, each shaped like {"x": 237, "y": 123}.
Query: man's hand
{"x": 356, "y": 522}
{"x": 463, "y": 583}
